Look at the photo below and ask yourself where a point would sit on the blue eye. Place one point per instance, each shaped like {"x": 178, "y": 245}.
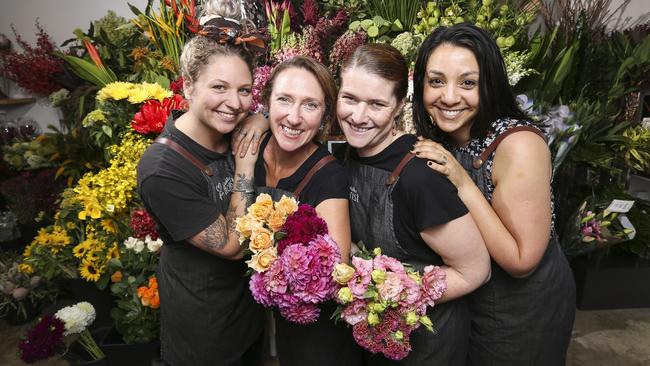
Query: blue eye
{"x": 311, "y": 106}
{"x": 245, "y": 91}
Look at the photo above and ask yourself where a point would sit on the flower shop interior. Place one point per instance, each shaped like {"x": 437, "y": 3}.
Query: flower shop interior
{"x": 85, "y": 87}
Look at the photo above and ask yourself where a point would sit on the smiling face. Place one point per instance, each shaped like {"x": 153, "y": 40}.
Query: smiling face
{"x": 296, "y": 108}
{"x": 366, "y": 110}
{"x": 451, "y": 90}
{"x": 221, "y": 96}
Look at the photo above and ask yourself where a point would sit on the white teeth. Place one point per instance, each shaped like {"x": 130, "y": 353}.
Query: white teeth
{"x": 451, "y": 113}
{"x": 359, "y": 129}
{"x": 291, "y": 131}
{"x": 225, "y": 114}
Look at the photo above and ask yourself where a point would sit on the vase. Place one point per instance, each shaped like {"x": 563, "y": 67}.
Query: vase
{"x": 16, "y": 317}
{"x": 121, "y": 353}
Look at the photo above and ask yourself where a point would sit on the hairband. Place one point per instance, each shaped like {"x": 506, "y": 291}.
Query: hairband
{"x": 229, "y": 31}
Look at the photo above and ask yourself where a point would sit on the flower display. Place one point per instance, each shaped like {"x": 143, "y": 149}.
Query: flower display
{"x": 293, "y": 257}
{"x": 153, "y": 114}
{"x": 384, "y": 300}
{"x": 43, "y": 340}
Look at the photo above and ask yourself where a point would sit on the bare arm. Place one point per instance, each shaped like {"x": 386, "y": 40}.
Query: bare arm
{"x": 336, "y": 215}
{"x": 516, "y": 226}
{"x": 461, "y": 247}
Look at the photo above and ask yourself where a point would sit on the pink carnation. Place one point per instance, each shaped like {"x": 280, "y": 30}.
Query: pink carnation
{"x": 301, "y": 314}
{"x": 434, "y": 284}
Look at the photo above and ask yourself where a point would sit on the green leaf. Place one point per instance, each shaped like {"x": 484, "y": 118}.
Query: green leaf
{"x": 373, "y": 31}
{"x": 107, "y": 130}
{"x": 354, "y": 25}
{"x": 366, "y": 24}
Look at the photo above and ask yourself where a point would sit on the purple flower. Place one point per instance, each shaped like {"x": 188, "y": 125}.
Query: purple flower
{"x": 301, "y": 227}
{"x": 258, "y": 289}
{"x": 42, "y": 341}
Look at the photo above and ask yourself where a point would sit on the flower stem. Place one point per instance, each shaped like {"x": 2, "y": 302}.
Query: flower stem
{"x": 89, "y": 344}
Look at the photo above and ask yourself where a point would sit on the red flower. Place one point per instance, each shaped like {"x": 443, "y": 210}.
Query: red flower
{"x": 301, "y": 227}
{"x": 143, "y": 225}
{"x": 177, "y": 85}
{"x": 43, "y": 340}
{"x": 153, "y": 114}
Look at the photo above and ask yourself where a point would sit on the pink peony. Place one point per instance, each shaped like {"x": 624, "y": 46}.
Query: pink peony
{"x": 301, "y": 314}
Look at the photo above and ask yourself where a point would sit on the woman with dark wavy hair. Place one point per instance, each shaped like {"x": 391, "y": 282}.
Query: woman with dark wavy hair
{"x": 500, "y": 164}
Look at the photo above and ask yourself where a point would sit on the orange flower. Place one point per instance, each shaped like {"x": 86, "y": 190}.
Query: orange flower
{"x": 117, "y": 276}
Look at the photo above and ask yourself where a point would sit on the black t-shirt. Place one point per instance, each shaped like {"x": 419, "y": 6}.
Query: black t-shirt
{"x": 331, "y": 181}
{"x": 174, "y": 191}
{"x": 422, "y": 198}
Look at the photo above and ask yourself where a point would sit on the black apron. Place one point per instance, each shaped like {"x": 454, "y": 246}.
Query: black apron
{"x": 208, "y": 316}
{"x": 520, "y": 321}
{"x": 322, "y": 343}
{"x": 371, "y": 216}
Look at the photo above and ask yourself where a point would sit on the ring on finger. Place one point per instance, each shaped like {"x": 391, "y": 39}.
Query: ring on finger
{"x": 444, "y": 160}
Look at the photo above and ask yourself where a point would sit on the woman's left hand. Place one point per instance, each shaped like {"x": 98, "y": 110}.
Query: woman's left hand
{"x": 441, "y": 161}
{"x": 248, "y": 134}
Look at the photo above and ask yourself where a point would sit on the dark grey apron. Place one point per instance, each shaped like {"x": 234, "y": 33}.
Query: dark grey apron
{"x": 208, "y": 316}
{"x": 520, "y": 322}
{"x": 322, "y": 343}
{"x": 371, "y": 217}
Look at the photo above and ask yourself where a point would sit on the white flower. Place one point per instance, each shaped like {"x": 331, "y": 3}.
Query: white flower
{"x": 110, "y": 207}
{"x": 74, "y": 318}
{"x": 139, "y": 246}
{"x": 153, "y": 245}
{"x": 87, "y": 309}
{"x": 130, "y": 242}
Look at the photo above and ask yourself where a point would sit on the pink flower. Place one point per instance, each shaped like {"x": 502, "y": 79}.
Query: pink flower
{"x": 359, "y": 283}
{"x": 355, "y": 312}
{"x": 391, "y": 288}
{"x": 411, "y": 293}
{"x": 301, "y": 314}
{"x": 295, "y": 266}
{"x": 258, "y": 289}
{"x": 434, "y": 284}
{"x": 386, "y": 263}
{"x": 274, "y": 280}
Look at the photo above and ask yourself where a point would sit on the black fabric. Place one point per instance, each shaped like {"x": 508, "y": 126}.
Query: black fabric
{"x": 422, "y": 198}
{"x": 207, "y": 314}
{"x": 331, "y": 181}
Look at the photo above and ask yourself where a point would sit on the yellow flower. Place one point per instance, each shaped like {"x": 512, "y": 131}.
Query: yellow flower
{"x": 286, "y": 205}
{"x": 27, "y": 252}
{"x": 261, "y": 261}
{"x": 92, "y": 209}
{"x": 342, "y": 273}
{"x": 81, "y": 249}
{"x": 26, "y": 268}
{"x": 90, "y": 271}
{"x": 113, "y": 252}
{"x": 43, "y": 237}
{"x": 138, "y": 95}
{"x": 260, "y": 211}
{"x": 378, "y": 276}
{"x": 345, "y": 295}
{"x": 276, "y": 220}
{"x": 109, "y": 226}
{"x": 243, "y": 227}
{"x": 260, "y": 240}
{"x": 155, "y": 91}
{"x": 117, "y": 91}
{"x": 411, "y": 318}
{"x": 373, "y": 319}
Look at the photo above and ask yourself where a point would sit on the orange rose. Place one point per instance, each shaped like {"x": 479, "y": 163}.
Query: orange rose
{"x": 260, "y": 240}
{"x": 286, "y": 205}
{"x": 261, "y": 261}
{"x": 276, "y": 220}
{"x": 260, "y": 212}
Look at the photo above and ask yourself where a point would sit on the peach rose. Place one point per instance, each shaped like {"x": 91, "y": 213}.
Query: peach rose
{"x": 261, "y": 239}
{"x": 286, "y": 205}
{"x": 243, "y": 227}
{"x": 276, "y": 220}
{"x": 261, "y": 261}
{"x": 260, "y": 211}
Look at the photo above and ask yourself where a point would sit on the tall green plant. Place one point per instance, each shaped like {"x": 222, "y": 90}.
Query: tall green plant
{"x": 403, "y": 10}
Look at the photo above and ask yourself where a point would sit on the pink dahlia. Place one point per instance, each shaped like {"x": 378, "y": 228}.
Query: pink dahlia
{"x": 301, "y": 314}
{"x": 258, "y": 289}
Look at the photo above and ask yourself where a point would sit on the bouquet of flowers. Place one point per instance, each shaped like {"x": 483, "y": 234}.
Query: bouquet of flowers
{"x": 293, "y": 257}
{"x": 49, "y": 334}
{"x": 385, "y": 300}
{"x": 594, "y": 228}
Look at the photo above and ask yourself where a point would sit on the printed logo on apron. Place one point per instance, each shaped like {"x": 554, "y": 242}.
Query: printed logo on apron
{"x": 354, "y": 195}
{"x": 223, "y": 188}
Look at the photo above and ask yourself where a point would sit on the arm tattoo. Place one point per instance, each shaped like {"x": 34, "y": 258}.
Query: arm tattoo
{"x": 242, "y": 183}
{"x": 215, "y": 236}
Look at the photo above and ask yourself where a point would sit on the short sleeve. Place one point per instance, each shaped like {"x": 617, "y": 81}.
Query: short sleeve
{"x": 180, "y": 208}
{"x": 428, "y": 197}
{"x": 330, "y": 182}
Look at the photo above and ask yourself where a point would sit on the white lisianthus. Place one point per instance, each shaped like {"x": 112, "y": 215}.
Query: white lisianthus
{"x": 153, "y": 245}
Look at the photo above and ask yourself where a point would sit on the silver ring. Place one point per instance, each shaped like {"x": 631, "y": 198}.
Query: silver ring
{"x": 243, "y": 134}
{"x": 444, "y": 160}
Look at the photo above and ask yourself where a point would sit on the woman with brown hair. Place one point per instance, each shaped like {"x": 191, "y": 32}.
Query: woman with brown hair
{"x": 399, "y": 205}
{"x": 301, "y": 99}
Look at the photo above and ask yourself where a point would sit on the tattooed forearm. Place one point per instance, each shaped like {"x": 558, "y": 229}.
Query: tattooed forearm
{"x": 214, "y": 237}
{"x": 243, "y": 183}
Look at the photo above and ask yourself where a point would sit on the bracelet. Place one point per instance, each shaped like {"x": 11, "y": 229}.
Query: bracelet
{"x": 248, "y": 191}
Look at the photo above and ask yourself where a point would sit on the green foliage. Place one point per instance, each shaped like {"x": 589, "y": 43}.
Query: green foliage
{"x": 401, "y": 13}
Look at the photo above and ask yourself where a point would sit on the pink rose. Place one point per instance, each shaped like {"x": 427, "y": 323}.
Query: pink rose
{"x": 391, "y": 288}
